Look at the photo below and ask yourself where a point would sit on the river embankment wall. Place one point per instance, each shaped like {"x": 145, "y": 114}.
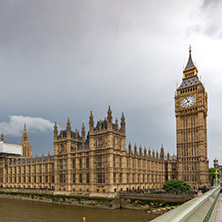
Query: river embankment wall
{"x": 106, "y": 201}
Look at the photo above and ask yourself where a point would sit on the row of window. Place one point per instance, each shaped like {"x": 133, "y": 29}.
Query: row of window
{"x": 28, "y": 168}
{"x": 29, "y": 180}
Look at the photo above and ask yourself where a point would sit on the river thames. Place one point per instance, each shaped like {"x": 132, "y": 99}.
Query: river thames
{"x": 30, "y": 211}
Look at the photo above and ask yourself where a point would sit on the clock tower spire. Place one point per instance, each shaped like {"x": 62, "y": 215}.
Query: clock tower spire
{"x": 191, "y": 123}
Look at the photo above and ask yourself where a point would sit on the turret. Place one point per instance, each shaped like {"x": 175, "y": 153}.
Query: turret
{"x": 26, "y": 146}
{"x": 168, "y": 156}
{"x": 157, "y": 155}
{"x": 55, "y": 131}
{"x": 149, "y": 153}
{"x": 76, "y": 134}
{"x": 91, "y": 122}
{"x": 109, "y": 119}
{"x": 100, "y": 125}
{"x": 130, "y": 151}
{"x": 145, "y": 154}
{"x": 2, "y": 137}
{"x": 135, "y": 150}
{"x": 123, "y": 124}
{"x": 116, "y": 124}
{"x": 83, "y": 133}
{"x": 153, "y": 154}
{"x": 140, "y": 150}
{"x": 162, "y": 153}
{"x": 68, "y": 128}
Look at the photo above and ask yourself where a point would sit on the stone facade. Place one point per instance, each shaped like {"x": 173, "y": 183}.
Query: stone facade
{"x": 96, "y": 163}
{"x": 191, "y": 123}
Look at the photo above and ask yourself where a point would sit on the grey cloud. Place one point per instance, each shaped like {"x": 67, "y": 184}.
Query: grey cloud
{"x": 209, "y": 20}
{"x": 61, "y": 59}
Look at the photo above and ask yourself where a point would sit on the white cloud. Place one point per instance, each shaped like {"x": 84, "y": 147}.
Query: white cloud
{"x": 15, "y": 125}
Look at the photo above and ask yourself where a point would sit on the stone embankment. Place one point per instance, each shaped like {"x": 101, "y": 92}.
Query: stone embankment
{"x": 156, "y": 204}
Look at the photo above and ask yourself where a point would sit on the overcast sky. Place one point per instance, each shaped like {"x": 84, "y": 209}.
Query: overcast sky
{"x": 61, "y": 59}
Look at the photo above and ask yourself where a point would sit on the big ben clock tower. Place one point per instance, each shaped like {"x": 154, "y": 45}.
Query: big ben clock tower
{"x": 191, "y": 127}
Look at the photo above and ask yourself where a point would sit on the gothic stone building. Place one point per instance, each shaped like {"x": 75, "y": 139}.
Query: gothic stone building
{"x": 96, "y": 163}
{"x": 100, "y": 162}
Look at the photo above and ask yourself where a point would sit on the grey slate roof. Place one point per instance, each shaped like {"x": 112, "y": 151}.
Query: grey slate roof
{"x": 190, "y": 65}
{"x": 193, "y": 81}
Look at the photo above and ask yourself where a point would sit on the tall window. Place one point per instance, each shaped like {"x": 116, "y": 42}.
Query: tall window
{"x": 62, "y": 164}
{"x": 73, "y": 163}
{"x": 114, "y": 177}
{"x": 120, "y": 177}
{"x": 101, "y": 177}
{"x": 62, "y": 148}
{"x": 101, "y": 161}
{"x": 53, "y": 167}
{"x": 87, "y": 162}
{"x": 46, "y": 168}
{"x": 62, "y": 178}
{"x": 87, "y": 178}
{"x": 80, "y": 163}
{"x": 80, "y": 178}
{"x": 40, "y": 168}
{"x": 120, "y": 162}
{"x": 74, "y": 178}
{"x": 114, "y": 161}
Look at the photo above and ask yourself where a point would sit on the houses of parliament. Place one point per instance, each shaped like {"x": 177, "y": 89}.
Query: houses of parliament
{"x": 100, "y": 161}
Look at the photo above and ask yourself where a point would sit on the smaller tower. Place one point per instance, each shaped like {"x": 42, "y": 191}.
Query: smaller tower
{"x": 26, "y": 146}
{"x": 83, "y": 133}
{"x": 162, "y": 152}
{"x": 91, "y": 122}
{"x": 130, "y": 151}
{"x": 123, "y": 124}
{"x": 109, "y": 119}
{"x": 116, "y": 125}
{"x": 55, "y": 131}
{"x": 135, "y": 150}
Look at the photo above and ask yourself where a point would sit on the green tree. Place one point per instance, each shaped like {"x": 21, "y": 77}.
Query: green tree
{"x": 211, "y": 174}
{"x": 176, "y": 185}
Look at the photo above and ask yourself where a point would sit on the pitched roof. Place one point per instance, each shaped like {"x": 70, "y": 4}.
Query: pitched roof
{"x": 190, "y": 65}
{"x": 193, "y": 81}
{"x": 10, "y": 148}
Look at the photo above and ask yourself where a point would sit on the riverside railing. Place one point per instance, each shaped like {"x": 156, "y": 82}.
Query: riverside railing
{"x": 197, "y": 209}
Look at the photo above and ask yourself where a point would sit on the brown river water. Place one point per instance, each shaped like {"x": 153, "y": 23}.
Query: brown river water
{"x": 30, "y": 211}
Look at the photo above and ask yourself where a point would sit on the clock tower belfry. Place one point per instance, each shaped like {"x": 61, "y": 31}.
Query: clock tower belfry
{"x": 191, "y": 128}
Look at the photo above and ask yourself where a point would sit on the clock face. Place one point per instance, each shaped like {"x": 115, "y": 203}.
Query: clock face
{"x": 188, "y": 101}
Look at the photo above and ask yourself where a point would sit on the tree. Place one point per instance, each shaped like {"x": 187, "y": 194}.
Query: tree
{"x": 211, "y": 174}
{"x": 176, "y": 185}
